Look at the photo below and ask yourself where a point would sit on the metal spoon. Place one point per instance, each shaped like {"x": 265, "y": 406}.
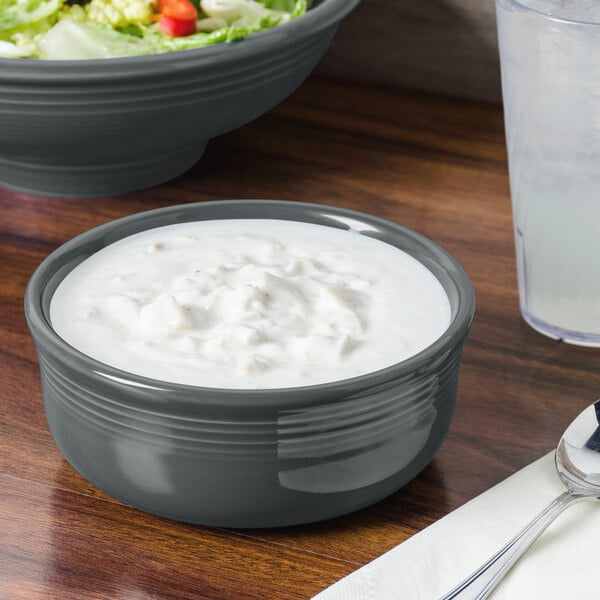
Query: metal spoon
{"x": 578, "y": 464}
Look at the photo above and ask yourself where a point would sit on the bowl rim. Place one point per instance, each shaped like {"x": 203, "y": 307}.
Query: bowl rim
{"x": 188, "y": 395}
{"x": 317, "y": 18}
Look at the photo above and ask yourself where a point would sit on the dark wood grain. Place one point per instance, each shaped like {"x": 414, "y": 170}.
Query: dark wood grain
{"x": 440, "y": 46}
{"x": 436, "y": 165}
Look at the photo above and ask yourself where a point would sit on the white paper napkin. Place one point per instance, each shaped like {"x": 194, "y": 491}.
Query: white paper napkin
{"x": 563, "y": 564}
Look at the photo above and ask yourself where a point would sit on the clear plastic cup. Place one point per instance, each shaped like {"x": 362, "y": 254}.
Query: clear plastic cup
{"x": 550, "y": 60}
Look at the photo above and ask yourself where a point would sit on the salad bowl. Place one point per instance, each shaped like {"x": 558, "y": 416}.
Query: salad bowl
{"x": 108, "y": 126}
{"x": 249, "y": 457}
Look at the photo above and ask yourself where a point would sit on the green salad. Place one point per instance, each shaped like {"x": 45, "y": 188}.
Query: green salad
{"x": 85, "y": 29}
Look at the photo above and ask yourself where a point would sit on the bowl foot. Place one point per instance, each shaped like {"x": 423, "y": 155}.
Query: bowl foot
{"x": 97, "y": 179}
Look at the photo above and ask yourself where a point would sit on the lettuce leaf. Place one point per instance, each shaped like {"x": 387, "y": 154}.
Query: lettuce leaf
{"x": 72, "y": 40}
{"x": 16, "y": 13}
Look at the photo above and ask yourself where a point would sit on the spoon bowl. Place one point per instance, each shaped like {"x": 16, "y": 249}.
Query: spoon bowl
{"x": 577, "y": 460}
{"x": 578, "y": 453}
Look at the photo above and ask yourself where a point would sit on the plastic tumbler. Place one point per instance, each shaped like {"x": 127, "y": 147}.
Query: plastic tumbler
{"x": 550, "y": 62}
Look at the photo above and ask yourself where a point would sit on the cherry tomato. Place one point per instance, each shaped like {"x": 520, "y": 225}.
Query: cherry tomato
{"x": 177, "y": 17}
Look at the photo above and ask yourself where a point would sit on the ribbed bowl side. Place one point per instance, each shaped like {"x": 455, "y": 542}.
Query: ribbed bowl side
{"x": 383, "y": 436}
{"x": 224, "y": 469}
{"x": 178, "y": 107}
{"x": 107, "y": 410}
{"x": 344, "y": 424}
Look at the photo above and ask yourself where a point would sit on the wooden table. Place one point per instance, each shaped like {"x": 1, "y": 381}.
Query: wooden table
{"x": 436, "y": 165}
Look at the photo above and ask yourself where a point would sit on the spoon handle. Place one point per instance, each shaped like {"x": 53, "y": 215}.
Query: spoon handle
{"x": 481, "y": 583}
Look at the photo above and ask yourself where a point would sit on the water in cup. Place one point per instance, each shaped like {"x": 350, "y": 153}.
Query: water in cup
{"x": 550, "y": 58}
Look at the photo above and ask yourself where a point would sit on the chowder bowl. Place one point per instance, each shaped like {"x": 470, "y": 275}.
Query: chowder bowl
{"x": 108, "y": 126}
{"x": 248, "y": 457}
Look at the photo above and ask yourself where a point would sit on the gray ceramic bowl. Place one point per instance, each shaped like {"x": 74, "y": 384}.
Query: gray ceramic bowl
{"x": 101, "y": 127}
{"x": 249, "y": 458}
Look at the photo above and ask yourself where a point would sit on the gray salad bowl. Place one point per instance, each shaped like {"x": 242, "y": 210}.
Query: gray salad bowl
{"x": 249, "y": 458}
{"x": 108, "y": 126}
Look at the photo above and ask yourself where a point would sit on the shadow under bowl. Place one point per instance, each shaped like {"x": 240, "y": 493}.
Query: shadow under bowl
{"x": 249, "y": 458}
{"x": 109, "y": 126}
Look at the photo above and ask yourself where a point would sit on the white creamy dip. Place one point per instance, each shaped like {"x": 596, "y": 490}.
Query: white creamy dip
{"x": 250, "y": 304}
